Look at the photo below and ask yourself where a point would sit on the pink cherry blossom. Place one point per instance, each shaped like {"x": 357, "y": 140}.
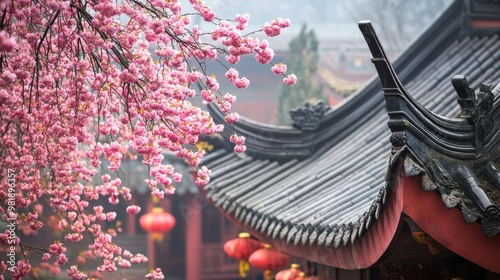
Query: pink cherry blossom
{"x": 265, "y": 56}
{"x": 203, "y": 176}
{"x": 46, "y": 256}
{"x": 224, "y": 106}
{"x": 133, "y": 209}
{"x": 177, "y": 177}
{"x": 212, "y": 83}
{"x": 38, "y": 209}
{"x": 230, "y": 98}
{"x": 242, "y": 21}
{"x": 232, "y": 117}
{"x": 240, "y": 148}
{"x": 3, "y": 4}
{"x": 207, "y": 14}
{"x": 3, "y": 267}
{"x": 279, "y": 68}
{"x": 75, "y": 274}
{"x": 237, "y": 139}
{"x": 87, "y": 87}
{"x": 7, "y": 44}
{"x": 124, "y": 263}
{"x": 155, "y": 275}
{"x": 274, "y": 28}
{"x": 62, "y": 259}
{"x": 194, "y": 76}
{"x": 110, "y": 216}
{"x": 290, "y": 80}
{"x": 233, "y": 59}
{"x": 127, "y": 254}
{"x": 208, "y": 95}
{"x": 20, "y": 270}
{"x": 232, "y": 74}
{"x": 241, "y": 82}
{"x": 138, "y": 258}
{"x": 71, "y": 215}
{"x": 57, "y": 248}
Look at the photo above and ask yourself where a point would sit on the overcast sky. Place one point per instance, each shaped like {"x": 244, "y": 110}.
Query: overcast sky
{"x": 330, "y": 20}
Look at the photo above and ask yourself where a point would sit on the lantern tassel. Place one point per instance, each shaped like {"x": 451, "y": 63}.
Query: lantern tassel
{"x": 244, "y": 268}
{"x": 157, "y": 236}
{"x": 268, "y": 274}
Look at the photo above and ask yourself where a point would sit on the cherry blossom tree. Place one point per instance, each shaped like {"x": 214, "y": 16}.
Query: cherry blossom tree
{"x": 87, "y": 81}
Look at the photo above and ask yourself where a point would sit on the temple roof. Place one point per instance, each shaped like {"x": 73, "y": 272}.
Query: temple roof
{"x": 324, "y": 182}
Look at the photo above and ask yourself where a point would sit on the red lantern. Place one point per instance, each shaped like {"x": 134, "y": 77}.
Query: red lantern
{"x": 268, "y": 259}
{"x": 157, "y": 222}
{"x": 241, "y": 248}
{"x": 294, "y": 272}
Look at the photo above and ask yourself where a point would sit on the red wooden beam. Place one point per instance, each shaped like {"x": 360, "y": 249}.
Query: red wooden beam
{"x": 447, "y": 226}
{"x": 485, "y": 23}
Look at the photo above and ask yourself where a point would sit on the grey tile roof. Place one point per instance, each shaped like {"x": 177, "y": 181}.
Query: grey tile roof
{"x": 325, "y": 186}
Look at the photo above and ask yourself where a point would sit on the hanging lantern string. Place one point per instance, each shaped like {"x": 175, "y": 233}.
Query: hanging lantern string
{"x": 244, "y": 268}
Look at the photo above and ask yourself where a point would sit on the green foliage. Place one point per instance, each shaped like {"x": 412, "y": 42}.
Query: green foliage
{"x": 303, "y": 62}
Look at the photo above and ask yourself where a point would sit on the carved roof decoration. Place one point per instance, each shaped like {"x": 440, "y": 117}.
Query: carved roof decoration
{"x": 308, "y": 116}
{"x": 325, "y": 188}
{"x": 451, "y": 152}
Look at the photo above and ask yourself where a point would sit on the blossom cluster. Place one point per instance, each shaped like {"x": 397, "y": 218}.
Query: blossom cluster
{"x": 86, "y": 84}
